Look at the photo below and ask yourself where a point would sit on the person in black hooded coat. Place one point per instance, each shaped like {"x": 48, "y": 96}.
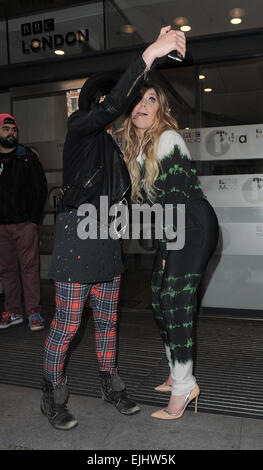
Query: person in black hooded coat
{"x": 92, "y": 167}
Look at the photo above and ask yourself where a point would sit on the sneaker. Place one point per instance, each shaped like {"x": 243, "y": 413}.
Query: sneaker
{"x": 9, "y": 319}
{"x": 35, "y": 321}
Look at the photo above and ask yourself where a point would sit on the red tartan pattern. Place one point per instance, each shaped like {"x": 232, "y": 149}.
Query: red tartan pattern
{"x": 70, "y": 301}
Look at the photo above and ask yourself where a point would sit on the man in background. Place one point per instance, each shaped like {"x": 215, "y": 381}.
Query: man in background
{"x": 23, "y": 192}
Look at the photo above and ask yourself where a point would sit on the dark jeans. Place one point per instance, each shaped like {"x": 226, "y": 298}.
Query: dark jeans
{"x": 19, "y": 266}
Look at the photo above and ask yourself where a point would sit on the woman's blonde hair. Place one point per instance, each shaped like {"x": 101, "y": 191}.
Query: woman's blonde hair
{"x": 131, "y": 146}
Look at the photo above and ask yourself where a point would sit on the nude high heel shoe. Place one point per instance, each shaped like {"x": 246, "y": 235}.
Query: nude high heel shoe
{"x": 192, "y": 395}
{"x": 163, "y": 387}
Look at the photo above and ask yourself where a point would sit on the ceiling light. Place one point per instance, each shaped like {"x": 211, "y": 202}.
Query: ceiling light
{"x": 237, "y": 13}
{"x": 59, "y": 52}
{"x": 180, "y": 21}
{"x": 201, "y": 76}
{"x": 187, "y": 128}
{"x": 236, "y": 20}
{"x": 36, "y": 43}
{"x": 185, "y": 28}
{"x": 128, "y": 28}
{"x": 208, "y": 90}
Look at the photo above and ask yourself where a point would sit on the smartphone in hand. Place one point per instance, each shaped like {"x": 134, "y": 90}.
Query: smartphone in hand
{"x": 176, "y": 56}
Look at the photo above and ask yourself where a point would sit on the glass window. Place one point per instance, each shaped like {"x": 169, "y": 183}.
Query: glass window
{"x": 226, "y": 101}
{"x": 3, "y": 44}
{"x": 224, "y": 94}
{"x": 122, "y": 30}
{"x": 236, "y": 95}
{"x": 201, "y": 16}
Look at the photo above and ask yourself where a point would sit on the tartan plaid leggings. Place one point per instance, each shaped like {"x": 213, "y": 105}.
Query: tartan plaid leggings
{"x": 70, "y": 300}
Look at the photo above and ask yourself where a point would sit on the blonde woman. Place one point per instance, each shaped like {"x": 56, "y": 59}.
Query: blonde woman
{"x": 162, "y": 171}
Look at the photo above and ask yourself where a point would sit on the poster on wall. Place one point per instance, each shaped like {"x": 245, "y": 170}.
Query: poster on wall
{"x": 72, "y": 100}
{"x": 225, "y": 143}
{"x": 233, "y": 190}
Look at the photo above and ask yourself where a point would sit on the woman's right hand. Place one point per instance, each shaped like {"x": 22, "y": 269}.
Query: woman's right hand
{"x": 167, "y": 41}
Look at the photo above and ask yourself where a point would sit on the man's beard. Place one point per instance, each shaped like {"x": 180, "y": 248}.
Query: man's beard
{"x": 9, "y": 142}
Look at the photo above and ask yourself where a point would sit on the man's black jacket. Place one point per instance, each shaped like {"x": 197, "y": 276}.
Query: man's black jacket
{"x": 23, "y": 187}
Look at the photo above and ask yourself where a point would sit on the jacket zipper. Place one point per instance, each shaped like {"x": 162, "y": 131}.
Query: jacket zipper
{"x": 124, "y": 193}
{"x": 87, "y": 182}
{"x": 93, "y": 176}
{"x": 138, "y": 78}
{"x": 128, "y": 94}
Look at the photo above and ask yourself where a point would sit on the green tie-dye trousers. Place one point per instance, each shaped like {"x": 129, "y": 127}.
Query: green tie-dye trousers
{"x": 174, "y": 287}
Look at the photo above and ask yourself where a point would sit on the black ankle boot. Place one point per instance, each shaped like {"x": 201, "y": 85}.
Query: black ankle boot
{"x": 53, "y": 405}
{"x": 113, "y": 391}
